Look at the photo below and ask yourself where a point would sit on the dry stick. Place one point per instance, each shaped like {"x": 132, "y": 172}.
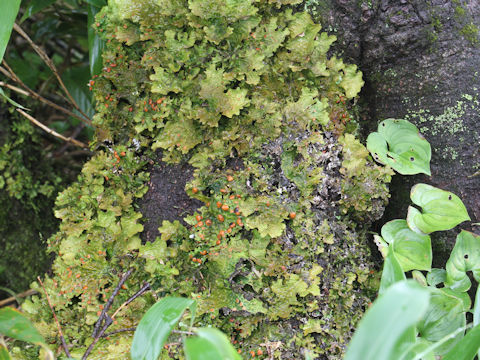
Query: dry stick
{"x": 51, "y": 65}
{"x": 109, "y": 302}
{"x": 14, "y": 298}
{"x": 109, "y": 320}
{"x": 118, "y": 331}
{"x": 10, "y": 74}
{"x": 64, "y": 344}
{"x": 50, "y": 131}
{"x": 144, "y": 288}
{"x": 14, "y": 88}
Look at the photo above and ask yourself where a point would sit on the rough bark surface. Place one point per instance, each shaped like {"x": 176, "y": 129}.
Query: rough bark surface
{"x": 420, "y": 61}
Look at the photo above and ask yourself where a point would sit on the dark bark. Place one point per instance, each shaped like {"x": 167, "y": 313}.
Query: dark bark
{"x": 420, "y": 61}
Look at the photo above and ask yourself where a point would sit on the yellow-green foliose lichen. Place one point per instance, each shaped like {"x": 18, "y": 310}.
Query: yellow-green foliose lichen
{"x": 274, "y": 256}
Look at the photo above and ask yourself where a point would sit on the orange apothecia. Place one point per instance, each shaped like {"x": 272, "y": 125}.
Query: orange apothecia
{"x": 198, "y": 217}
{"x": 229, "y": 178}
{"x": 225, "y": 207}
{"x": 220, "y": 217}
{"x": 195, "y": 190}
{"x": 219, "y": 204}
{"x": 292, "y": 215}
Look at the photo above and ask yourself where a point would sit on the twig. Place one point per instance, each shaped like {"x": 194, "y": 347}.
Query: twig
{"x": 14, "y": 88}
{"x": 14, "y": 298}
{"x": 108, "y": 321}
{"x": 110, "y": 302}
{"x": 144, "y": 288}
{"x": 11, "y": 75}
{"x": 118, "y": 331}
{"x": 50, "y": 131}
{"x": 64, "y": 344}
{"x": 51, "y": 65}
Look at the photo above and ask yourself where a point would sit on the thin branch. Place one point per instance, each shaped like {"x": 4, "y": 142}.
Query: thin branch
{"x": 108, "y": 322}
{"x": 14, "y": 88}
{"x": 50, "y": 131}
{"x": 110, "y": 302}
{"x": 118, "y": 331}
{"x": 144, "y": 288}
{"x": 11, "y": 74}
{"x": 51, "y": 65}
{"x": 64, "y": 344}
{"x": 18, "y": 296}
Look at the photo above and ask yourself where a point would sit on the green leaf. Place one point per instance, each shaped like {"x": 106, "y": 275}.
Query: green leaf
{"x": 412, "y": 250}
{"x": 466, "y": 348}
{"x": 76, "y": 80}
{"x": 392, "y": 272}
{"x": 464, "y": 257}
{"x": 476, "y": 311}
{"x": 95, "y": 42}
{"x": 399, "y": 144}
{"x": 441, "y": 210}
{"x": 388, "y": 319}
{"x": 436, "y": 276}
{"x": 14, "y": 103}
{"x": 8, "y": 13}
{"x": 208, "y": 345}
{"x": 15, "y": 325}
{"x": 34, "y": 7}
{"x": 156, "y": 325}
{"x": 445, "y": 314}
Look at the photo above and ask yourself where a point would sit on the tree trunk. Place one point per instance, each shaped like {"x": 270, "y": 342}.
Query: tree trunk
{"x": 420, "y": 61}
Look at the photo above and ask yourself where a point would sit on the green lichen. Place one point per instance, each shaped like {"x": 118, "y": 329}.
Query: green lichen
{"x": 273, "y": 256}
{"x": 450, "y": 122}
{"x": 470, "y": 33}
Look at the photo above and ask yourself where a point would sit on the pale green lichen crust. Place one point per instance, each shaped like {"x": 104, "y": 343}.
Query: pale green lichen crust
{"x": 277, "y": 256}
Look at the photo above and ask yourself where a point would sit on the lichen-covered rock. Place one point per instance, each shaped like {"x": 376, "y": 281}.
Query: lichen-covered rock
{"x": 274, "y": 249}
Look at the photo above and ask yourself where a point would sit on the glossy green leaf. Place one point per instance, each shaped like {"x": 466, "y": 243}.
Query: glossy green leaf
{"x": 419, "y": 346}
{"x": 441, "y": 210}
{"x": 476, "y": 312}
{"x": 419, "y": 277}
{"x": 464, "y": 257}
{"x": 156, "y": 325}
{"x": 76, "y": 80}
{"x": 15, "y": 325}
{"x": 387, "y": 320}
{"x": 436, "y": 276}
{"x": 8, "y": 13}
{"x": 392, "y": 272}
{"x": 398, "y": 143}
{"x": 34, "y": 7}
{"x": 95, "y": 42}
{"x": 208, "y": 345}
{"x": 412, "y": 250}
{"x": 445, "y": 314}
{"x": 467, "y": 348}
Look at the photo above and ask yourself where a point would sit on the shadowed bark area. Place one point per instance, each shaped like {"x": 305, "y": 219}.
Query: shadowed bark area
{"x": 420, "y": 61}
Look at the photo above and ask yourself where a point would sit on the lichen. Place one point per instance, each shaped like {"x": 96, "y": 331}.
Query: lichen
{"x": 450, "y": 122}
{"x": 273, "y": 256}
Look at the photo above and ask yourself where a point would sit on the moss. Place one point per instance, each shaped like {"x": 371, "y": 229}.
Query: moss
{"x": 275, "y": 243}
{"x": 470, "y": 33}
{"x": 29, "y": 181}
